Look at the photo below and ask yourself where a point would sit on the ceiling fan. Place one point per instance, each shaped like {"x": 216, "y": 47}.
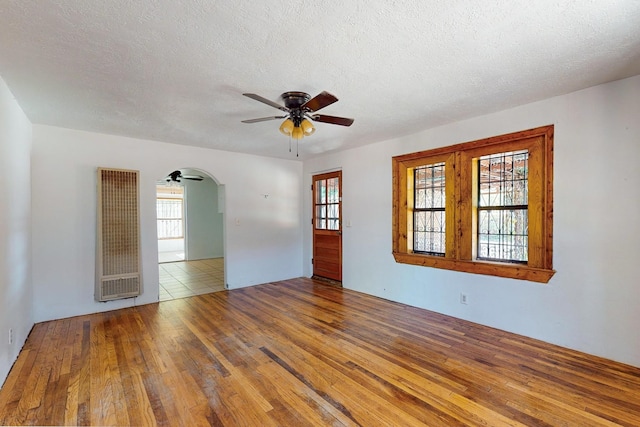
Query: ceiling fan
{"x": 299, "y": 107}
{"x": 176, "y": 176}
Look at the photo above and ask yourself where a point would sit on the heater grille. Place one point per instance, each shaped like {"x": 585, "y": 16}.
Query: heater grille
{"x": 118, "y": 240}
{"x": 120, "y": 288}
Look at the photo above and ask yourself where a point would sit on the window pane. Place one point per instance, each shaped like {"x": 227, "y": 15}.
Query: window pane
{"x": 169, "y": 228}
{"x": 429, "y": 185}
{"x": 333, "y": 217}
{"x": 333, "y": 190}
{"x": 429, "y": 209}
{"x": 327, "y": 201}
{"x": 503, "y": 179}
{"x": 503, "y": 234}
{"x": 321, "y": 191}
{"x": 421, "y": 198}
{"x": 321, "y": 217}
{"x": 429, "y": 232}
{"x": 503, "y": 207}
{"x": 169, "y": 214}
{"x": 169, "y": 208}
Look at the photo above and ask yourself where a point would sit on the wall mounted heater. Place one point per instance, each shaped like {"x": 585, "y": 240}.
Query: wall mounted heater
{"x": 118, "y": 235}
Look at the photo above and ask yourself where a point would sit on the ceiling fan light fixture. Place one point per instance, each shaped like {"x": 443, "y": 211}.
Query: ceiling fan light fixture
{"x": 287, "y": 127}
{"x": 307, "y": 127}
{"x": 297, "y": 133}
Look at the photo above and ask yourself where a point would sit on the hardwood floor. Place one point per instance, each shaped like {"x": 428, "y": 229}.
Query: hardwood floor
{"x": 298, "y": 353}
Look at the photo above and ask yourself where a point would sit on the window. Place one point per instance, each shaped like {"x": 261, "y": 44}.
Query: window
{"x": 482, "y": 207}
{"x": 169, "y": 208}
{"x": 327, "y": 203}
{"x": 428, "y": 210}
{"x": 502, "y": 207}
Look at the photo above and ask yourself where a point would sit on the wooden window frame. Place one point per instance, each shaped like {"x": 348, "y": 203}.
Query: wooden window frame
{"x": 461, "y": 190}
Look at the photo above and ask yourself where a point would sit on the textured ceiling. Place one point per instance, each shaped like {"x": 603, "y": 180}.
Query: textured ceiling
{"x": 175, "y": 71}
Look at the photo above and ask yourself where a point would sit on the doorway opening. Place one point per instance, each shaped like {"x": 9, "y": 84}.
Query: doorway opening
{"x": 190, "y": 205}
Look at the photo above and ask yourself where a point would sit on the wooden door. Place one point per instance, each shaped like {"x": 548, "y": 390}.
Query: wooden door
{"x": 327, "y": 225}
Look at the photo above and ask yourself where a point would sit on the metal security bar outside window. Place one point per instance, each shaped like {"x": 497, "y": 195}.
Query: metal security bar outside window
{"x": 503, "y": 207}
{"x": 429, "y": 209}
{"x": 170, "y": 218}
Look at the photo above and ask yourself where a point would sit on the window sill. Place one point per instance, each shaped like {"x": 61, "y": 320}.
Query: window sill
{"x": 511, "y": 271}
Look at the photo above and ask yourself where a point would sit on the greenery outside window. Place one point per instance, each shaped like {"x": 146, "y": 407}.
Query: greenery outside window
{"x": 481, "y": 207}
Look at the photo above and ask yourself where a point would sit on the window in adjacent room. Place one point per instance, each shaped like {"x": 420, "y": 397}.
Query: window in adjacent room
{"x": 482, "y": 207}
{"x": 170, "y": 209}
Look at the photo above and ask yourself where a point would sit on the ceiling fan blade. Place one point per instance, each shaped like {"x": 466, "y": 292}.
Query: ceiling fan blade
{"x": 319, "y": 101}
{"x": 193, "y": 177}
{"x": 342, "y": 121}
{"x": 264, "y": 119}
{"x": 266, "y": 101}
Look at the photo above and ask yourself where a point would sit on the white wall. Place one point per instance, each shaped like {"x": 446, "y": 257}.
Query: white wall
{"x": 591, "y": 304}
{"x": 15, "y": 234}
{"x": 204, "y": 228}
{"x": 265, "y": 244}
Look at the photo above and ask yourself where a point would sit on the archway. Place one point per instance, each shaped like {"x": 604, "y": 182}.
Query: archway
{"x": 190, "y": 210}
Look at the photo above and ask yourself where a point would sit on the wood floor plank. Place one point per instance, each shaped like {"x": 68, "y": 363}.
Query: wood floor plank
{"x": 301, "y": 352}
{"x": 305, "y": 405}
{"x": 138, "y": 409}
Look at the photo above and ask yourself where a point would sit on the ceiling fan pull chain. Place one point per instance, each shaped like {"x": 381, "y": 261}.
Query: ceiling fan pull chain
{"x": 289, "y": 143}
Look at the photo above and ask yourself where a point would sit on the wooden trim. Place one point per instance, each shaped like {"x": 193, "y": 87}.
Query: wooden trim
{"x": 536, "y": 207}
{"x": 396, "y": 195}
{"x": 545, "y": 131}
{"x": 461, "y": 204}
{"x": 548, "y": 201}
{"x": 403, "y": 207}
{"x": 451, "y": 177}
{"x": 327, "y": 175}
{"x": 464, "y": 201}
{"x": 512, "y": 271}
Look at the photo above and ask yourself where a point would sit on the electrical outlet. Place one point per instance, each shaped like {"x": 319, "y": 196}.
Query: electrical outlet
{"x": 464, "y": 299}
{"x": 10, "y": 336}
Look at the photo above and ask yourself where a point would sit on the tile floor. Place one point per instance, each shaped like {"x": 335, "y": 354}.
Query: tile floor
{"x": 188, "y": 278}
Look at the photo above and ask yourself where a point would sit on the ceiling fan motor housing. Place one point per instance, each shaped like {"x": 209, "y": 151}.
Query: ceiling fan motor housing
{"x": 293, "y": 101}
